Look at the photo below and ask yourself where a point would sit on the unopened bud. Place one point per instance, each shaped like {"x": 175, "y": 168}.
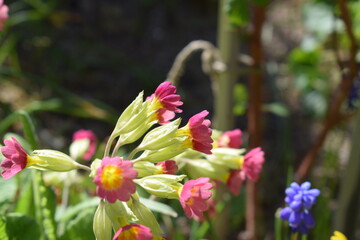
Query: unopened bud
{"x": 166, "y": 153}
{"x": 160, "y": 137}
{"x": 146, "y": 217}
{"x": 197, "y": 168}
{"x": 79, "y": 147}
{"x": 102, "y": 224}
{"x": 53, "y": 160}
{"x": 228, "y": 157}
{"x": 119, "y": 214}
{"x": 145, "y": 168}
{"x": 162, "y": 185}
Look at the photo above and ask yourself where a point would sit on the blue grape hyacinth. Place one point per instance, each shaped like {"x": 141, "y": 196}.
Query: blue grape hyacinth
{"x": 300, "y": 199}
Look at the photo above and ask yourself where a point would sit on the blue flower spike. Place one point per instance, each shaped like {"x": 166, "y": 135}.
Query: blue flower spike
{"x": 300, "y": 199}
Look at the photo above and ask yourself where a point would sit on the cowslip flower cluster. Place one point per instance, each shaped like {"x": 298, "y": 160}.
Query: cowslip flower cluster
{"x": 300, "y": 199}
{"x": 3, "y": 14}
{"x": 150, "y": 165}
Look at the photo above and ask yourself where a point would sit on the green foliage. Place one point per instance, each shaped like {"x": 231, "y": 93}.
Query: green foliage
{"x": 278, "y": 109}
{"x": 3, "y": 234}
{"x": 238, "y": 12}
{"x": 159, "y": 207}
{"x": 240, "y": 99}
{"x": 19, "y": 226}
{"x": 80, "y": 227}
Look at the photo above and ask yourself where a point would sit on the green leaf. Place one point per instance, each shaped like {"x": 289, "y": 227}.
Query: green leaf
{"x": 3, "y": 234}
{"x": 240, "y": 99}
{"x": 25, "y": 204}
{"x": 277, "y": 109}
{"x": 80, "y": 227}
{"x": 29, "y": 129}
{"x": 77, "y": 209}
{"x": 19, "y": 227}
{"x": 238, "y": 12}
{"x": 7, "y": 190}
{"x": 158, "y": 207}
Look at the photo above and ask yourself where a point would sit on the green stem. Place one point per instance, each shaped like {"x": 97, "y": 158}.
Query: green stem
{"x": 37, "y": 199}
{"x": 278, "y": 226}
{"x": 294, "y": 236}
{"x": 212, "y": 229}
{"x": 108, "y": 145}
{"x": 133, "y": 152}
{"x": 117, "y": 146}
{"x": 80, "y": 166}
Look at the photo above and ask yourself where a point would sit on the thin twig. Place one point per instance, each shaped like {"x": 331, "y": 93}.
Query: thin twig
{"x": 334, "y": 113}
{"x": 210, "y": 59}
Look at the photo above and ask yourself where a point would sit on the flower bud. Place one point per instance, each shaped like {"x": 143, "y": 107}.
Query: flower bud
{"x": 134, "y": 135}
{"x": 203, "y": 168}
{"x": 228, "y": 157}
{"x": 132, "y": 116}
{"x": 79, "y": 147}
{"x": 166, "y": 153}
{"x": 102, "y": 224}
{"x": 119, "y": 214}
{"x": 160, "y": 137}
{"x": 163, "y": 185}
{"x": 145, "y": 168}
{"x": 53, "y": 160}
{"x": 145, "y": 216}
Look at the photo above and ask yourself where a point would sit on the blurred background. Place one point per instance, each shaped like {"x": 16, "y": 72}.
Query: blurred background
{"x": 76, "y": 64}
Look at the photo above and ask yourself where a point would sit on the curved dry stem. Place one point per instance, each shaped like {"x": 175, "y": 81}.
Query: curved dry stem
{"x": 211, "y": 61}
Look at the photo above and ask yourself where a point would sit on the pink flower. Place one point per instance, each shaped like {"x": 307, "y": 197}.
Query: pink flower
{"x": 231, "y": 139}
{"x": 235, "y": 180}
{"x": 133, "y": 232}
{"x": 166, "y": 97}
{"x": 253, "y": 163}
{"x": 165, "y": 102}
{"x": 193, "y": 196}
{"x": 15, "y": 160}
{"x": 199, "y": 132}
{"x": 211, "y": 211}
{"x": 87, "y": 134}
{"x": 167, "y": 167}
{"x": 114, "y": 179}
{"x": 3, "y": 14}
{"x": 164, "y": 116}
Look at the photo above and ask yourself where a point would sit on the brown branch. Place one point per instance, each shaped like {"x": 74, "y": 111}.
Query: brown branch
{"x": 254, "y": 117}
{"x": 334, "y": 110}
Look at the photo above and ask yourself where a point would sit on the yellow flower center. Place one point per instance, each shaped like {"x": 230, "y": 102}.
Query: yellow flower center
{"x": 187, "y": 143}
{"x": 130, "y": 233}
{"x": 184, "y": 131}
{"x": 155, "y": 104}
{"x": 240, "y": 160}
{"x": 30, "y": 160}
{"x": 111, "y": 177}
